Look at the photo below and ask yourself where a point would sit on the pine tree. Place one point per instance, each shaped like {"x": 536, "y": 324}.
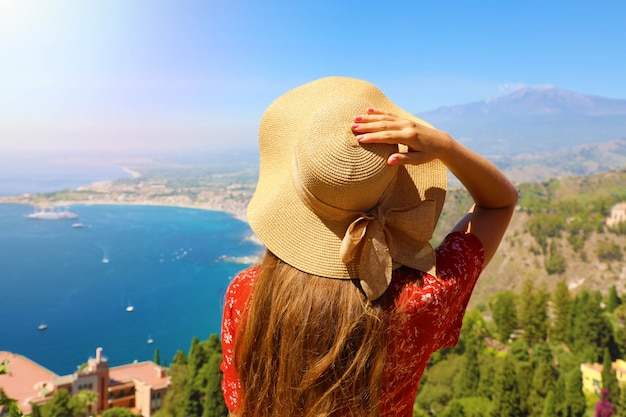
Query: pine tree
{"x": 541, "y": 353}
{"x": 192, "y": 398}
{"x": 487, "y": 373}
{"x": 541, "y": 318}
{"x": 469, "y": 377}
{"x": 203, "y": 387}
{"x": 543, "y": 382}
{"x": 173, "y": 400}
{"x": 214, "y": 405}
{"x": 549, "y": 409}
{"x": 525, "y": 309}
{"x": 589, "y": 330}
{"x": 506, "y": 396}
{"x": 519, "y": 349}
{"x": 613, "y": 300}
{"x": 504, "y": 313}
{"x": 157, "y": 356}
{"x": 196, "y": 356}
{"x": 561, "y": 305}
{"x": 474, "y": 324}
{"x": 524, "y": 372}
{"x": 555, "y": 263}
{"x": 575, "y": 404}
{"x": 609, "y": 380}
{"x": 560, "y": 408}
{"x": 534, "y": 313}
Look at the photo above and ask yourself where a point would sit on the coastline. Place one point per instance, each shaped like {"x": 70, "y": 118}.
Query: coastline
{"x": 232, "y": 200}
{"x": 237, "y": 214}
{"x": 143, "y": 193}
{"x": 250, "y": 259}
{"x": 133, "y": 173}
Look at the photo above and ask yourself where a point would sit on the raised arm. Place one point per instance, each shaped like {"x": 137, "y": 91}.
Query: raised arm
{"x": 494, "y": 195}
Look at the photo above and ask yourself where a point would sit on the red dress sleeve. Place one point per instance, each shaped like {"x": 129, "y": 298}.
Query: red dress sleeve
{"x": 459, "y": 264}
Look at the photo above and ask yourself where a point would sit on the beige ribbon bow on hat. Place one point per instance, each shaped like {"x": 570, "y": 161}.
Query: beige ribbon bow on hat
{"x": 382, "y": 238}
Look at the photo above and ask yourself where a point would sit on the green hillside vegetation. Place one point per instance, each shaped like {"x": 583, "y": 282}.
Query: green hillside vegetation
{"x": 196, "y": 385}
{"x": 519, "y": 355}
{"x": 557, "y": 233}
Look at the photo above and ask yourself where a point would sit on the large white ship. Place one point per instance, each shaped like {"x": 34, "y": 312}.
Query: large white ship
{"x": 46, "y": 214}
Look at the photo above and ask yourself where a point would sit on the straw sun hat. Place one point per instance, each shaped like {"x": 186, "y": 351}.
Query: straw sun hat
{"x": 330, "y": 206}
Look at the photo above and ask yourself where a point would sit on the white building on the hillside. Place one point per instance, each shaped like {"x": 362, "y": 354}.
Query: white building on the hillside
{"x": 618, "y": 215}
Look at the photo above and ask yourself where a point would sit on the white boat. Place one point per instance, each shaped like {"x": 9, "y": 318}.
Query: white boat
{"x": 52, "y": 214}
{"x": 78, "y": 225}
{"x": 150, "y": 340}
{"x": 42, "y": 327}
{"x": 130, "y": 308}
{"x": 105, "y": 260}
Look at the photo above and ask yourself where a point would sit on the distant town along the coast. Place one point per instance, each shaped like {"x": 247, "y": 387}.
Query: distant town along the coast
{"x": 182, "y": 187}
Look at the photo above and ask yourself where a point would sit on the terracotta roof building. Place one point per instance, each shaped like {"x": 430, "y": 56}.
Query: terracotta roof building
{"x": 25, "y": 381}
{"x": 139, "y": 386}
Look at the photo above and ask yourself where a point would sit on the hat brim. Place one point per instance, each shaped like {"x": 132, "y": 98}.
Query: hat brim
{"x": 282, "y": 220}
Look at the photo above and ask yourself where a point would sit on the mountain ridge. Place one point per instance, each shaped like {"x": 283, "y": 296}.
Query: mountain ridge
{"x": 532, "y": 119}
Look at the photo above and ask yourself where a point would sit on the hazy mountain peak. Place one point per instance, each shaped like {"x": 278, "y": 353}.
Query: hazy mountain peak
{"x": 532, "y": 119}
{"x": 554, "y": 100}
{"x": 544, "y": 99}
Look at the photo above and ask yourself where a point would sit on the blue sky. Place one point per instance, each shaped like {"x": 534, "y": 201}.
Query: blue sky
{"x": 165, "y": 74}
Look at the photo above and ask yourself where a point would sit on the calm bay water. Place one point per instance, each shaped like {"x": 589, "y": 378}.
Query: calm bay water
{"x": 21, "y": 174}
{"x": 164, "y": 261}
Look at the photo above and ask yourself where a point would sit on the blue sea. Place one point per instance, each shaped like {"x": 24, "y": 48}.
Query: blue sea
{"x": 21, "y": 174}
{"x": 164, "y": 262}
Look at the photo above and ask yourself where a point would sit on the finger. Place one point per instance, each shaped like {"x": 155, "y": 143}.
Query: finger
{"x": 374, "y": 110}
{"x": 409, "y": 158}
{"x": 379, "y": 137}
{"x": 378, "y": 126}
{"x": 375, "y": 116}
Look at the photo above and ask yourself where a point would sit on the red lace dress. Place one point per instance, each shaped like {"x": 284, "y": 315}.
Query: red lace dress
{"x": 429, "y": 317}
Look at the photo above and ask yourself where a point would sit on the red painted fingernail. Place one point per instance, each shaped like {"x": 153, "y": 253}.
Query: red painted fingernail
{"x": 393, "y": 160}
{"x": 359, "y": 137}
{"x": 358, "y": 118}
{"x": 355, "y": 125}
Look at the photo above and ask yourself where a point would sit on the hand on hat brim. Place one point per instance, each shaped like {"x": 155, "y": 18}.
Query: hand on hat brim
{"x": 380, "y": 126}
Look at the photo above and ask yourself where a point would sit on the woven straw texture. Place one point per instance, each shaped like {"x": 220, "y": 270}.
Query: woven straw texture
{"x": 306, "y": 134}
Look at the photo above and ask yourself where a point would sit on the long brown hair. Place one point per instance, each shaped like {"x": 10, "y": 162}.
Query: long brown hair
{"x": 309, "y": 346}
